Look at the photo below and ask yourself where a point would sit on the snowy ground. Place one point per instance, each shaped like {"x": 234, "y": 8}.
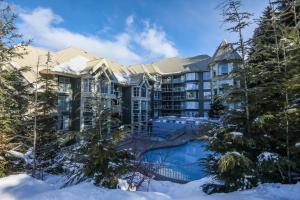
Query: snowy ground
{"x": 22, "y": 186}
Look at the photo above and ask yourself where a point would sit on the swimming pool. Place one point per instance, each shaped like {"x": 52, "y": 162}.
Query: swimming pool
{"x": 181, "y": 161}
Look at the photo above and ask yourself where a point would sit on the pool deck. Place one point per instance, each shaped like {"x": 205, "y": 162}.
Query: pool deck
{"x": 139, "y": 145}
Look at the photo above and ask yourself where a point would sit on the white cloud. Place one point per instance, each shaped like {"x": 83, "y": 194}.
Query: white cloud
{"x": 43, "y": 26}
{"x": 41, "y": 23}
{"x": 156, "y": 42}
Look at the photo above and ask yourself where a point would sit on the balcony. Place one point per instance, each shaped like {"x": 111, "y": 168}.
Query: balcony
{"x": 178, "y": 80}
{"x": 172, "y": 107}
{"x": 178, "y": 98}
{"x": 167, "y": 81}
{"x": 168, "y": 98}
{"x": 166, "y": 89}
{"x": 178, "y": 89}
{"x": 157, "y": 107}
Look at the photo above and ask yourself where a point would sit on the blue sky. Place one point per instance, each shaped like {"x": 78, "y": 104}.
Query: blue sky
{"x": 128, "y": 31}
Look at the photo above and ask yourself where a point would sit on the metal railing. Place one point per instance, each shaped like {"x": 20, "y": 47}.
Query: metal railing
{"x": 165, "y": 172}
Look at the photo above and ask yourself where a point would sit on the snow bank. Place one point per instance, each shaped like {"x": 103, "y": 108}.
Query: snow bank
{"x": 21, "y": 186}
{"x": 17, "y": 187}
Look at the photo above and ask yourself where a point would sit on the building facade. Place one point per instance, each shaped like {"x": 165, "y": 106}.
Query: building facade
{"x": 182, "y": 87}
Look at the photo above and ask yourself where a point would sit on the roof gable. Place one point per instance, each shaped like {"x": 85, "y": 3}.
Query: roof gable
{"x": 225, "y": 52}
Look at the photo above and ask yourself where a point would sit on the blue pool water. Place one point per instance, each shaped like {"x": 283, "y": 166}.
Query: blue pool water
{"x": 183, "y": 160}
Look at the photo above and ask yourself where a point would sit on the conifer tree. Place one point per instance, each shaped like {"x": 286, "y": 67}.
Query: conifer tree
{"x": 217, "y": 107}
{"x": 13, "y": 87}
{"x": 273, "y": 88}
{"x": 98, "y": 156}
{"x": 45, "y": 117}
{"x": 233, "y": 141}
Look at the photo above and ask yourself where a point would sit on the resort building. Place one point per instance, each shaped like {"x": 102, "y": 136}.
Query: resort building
{"x": 87, "y": 84}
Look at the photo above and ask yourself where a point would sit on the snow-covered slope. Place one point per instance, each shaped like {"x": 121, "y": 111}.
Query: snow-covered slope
{"x": 17, "y": 187}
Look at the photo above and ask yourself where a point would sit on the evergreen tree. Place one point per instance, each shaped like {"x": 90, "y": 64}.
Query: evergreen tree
{"x": 233, "y": 141}
{"x": 273, "y": 73}
{"x": 274, "y": 87}
{"x": 217, "y": 108}
{"x": 13, "y": 88}
{"x": 97, "y": 155}
{"x": 46, "y": 145}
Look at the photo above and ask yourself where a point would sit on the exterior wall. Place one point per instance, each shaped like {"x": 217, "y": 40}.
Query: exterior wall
{"x": 183, "y": 95}
{"x": 221, "y": 79}
{"x": 65, "y": 102}
{"x": 173, "y": 95}
{"x": 76, "y": 101}
{"x": 126, "y": 105}
{"x": 102, "y": 92}
{"x": 140, "y": 107}
{"x": 156, "y": 102}
{"x": 168, "y": 95}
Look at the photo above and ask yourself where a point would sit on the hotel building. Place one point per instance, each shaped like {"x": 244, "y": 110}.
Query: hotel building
{"x": 182, "y": 87}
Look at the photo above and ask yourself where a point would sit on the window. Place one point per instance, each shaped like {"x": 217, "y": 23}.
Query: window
{"x": 206, "y": 76}
{"x": 206, "y": 105}
{"x": 136, "y": 92}
{"x": 191, "y": 76}
{"x": 191, "y": 114}
{"x": 64, "y": 84}
{"x": 224, "y": 69}
{"x": 63, "y": 103}
{"x": 144, "y": 90}
{"x": 156, "y": 105}
{"x": 66, "y": 122}
{"x": 144, "y": 105}
{"x": 143, "y": 117}
{"x": 115, "y": 90}
{"x": 178, "y": 79}
{"x": 192, "y": 105}
{"x": 191, "y": 86}
{"x": 207, "y": 95}
{"x": 135, "y": 117}
{"x": 104, "y": 86}
{"x": 214, "y": 73}
{"x": 87, "y": 85}
{"x": 88, "y": 120}
{"x": 156, "y": 95}
{"x": 156, "y": 113}
{"x": 136, "y": 105}
{"x": 166, "y": 79}
{"x": 112, "y": 88}
{"x": 205, "y": 114}
{"x": 192, "y": 95}
{"x": 206, "y": 85}
{"x": 215, "y": 91}
{"x": 63, "y": 122}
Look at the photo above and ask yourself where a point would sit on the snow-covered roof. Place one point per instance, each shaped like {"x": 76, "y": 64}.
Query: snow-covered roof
{"x": 74, "y": 65}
